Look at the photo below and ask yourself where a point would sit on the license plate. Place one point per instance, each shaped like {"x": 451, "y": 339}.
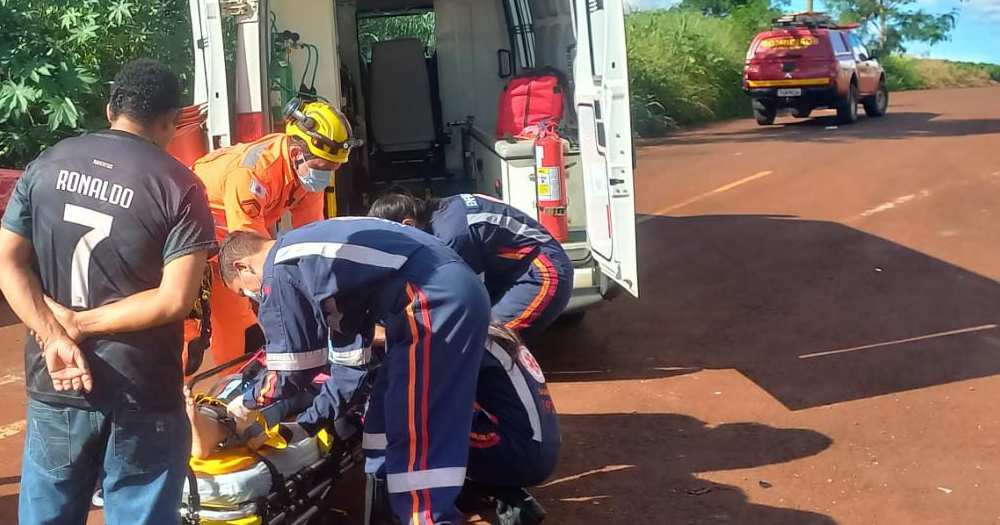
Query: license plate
{"x": 790, "y": 92}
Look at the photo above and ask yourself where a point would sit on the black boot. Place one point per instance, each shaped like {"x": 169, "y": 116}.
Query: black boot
{"x": 518, "y": 507}
{"x": 377, "y": 508}
{"x": 475, "y": 498}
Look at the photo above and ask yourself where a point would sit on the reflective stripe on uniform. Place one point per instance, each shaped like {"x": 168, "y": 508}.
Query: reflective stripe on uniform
{"x": 252, "y": 155}
{"x": 510, "y": 224}
{"x": 292, "y": 361}
{"x": 546, "y": 291}
{"x": 520, "y": 386}
{"x": 374, "y": 441}
{"x": 426, "y": 479}
{"x": 338, "y": 250}
{"x": 357, "y": 357}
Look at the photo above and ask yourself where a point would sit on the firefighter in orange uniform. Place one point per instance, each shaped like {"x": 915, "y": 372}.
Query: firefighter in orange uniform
{"x": 251, "y": 186}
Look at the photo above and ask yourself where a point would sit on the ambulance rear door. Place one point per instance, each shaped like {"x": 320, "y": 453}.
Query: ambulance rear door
{"x": 210, "y": 85}
{"x": 600, "y": 73}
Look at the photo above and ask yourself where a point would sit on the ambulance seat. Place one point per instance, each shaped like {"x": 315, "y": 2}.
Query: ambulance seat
{"x": 402, "y": 117}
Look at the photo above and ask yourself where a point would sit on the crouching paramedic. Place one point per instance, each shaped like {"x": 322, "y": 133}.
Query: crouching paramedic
{"x": 527, "y": 273}
{"x": 250, "y": 186}
{"x": 515, "y": 432}
{"x": 338, "y": 278}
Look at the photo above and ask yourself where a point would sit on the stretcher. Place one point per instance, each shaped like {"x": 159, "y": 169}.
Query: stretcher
{"x": 293, "y": 485}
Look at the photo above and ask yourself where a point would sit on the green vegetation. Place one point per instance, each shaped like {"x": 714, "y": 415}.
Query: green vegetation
{"x": 890, "y": 24}
{"x": 373, "y": 29}
{"x": 684, "y": 67}
{"x": 58, "y": 59}
{"x": 915, "y": 73}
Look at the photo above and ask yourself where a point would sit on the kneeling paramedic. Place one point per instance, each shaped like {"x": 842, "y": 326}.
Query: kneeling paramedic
{"x": 337, "y": 278}
{"x": 515, "y": 432}
{"x": 527, "y": 273}
{"x": 250, "y": 186}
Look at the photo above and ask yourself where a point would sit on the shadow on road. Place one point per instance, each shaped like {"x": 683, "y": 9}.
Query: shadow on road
{"x": 7, "y": 317}
{"x": 902, "y": 125}
{"x": 642, "y": 469}
{"x": 8, "y": 508}
{"x": 814, "y": 312}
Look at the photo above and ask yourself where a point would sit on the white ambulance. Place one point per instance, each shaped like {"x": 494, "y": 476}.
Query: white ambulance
{"x": 420, "y": 80}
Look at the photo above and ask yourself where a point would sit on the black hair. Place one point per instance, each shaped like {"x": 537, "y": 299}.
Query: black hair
{"x": 145, "y": 90}
{"x": 506, "y": 338}
{"x": 397, "y": 204}
{"x": 237, "y": 245}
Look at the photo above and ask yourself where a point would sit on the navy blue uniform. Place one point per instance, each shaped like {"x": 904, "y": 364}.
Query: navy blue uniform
{"x": 335, "y": 279}
{"x": 527, "y": 273}
{"x": 515, "y": 433}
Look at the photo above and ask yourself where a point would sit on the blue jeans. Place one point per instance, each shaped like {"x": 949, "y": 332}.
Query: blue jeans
{"x": 139, "y": 458}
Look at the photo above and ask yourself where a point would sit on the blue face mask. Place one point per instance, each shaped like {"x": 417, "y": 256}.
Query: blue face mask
{"x": 316, "y": 180}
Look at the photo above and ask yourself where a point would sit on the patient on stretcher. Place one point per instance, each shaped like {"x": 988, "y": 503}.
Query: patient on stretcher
{"x": 515, "y": 436}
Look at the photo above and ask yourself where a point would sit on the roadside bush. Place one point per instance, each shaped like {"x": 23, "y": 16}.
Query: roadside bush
{"x": 945, "y": 74}
{"x": 684, "y": 68}
{"x": 57, "y": 59}
{"x": 901, "y": 73}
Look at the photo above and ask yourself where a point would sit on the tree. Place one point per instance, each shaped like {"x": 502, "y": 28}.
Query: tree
{"x": 749, "y": 16}
{"x": 58, "y": 58}
{"x": 890, "y": 24}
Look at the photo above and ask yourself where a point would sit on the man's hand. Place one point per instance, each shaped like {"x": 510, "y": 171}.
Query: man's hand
{"x": 66, "y": 364}
{"x": 66, "y": 318}
{"x": 378, "y": 339}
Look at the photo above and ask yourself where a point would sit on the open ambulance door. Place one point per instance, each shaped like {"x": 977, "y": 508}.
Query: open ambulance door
{"x": 600, "y": 72}
{"x": 210, "y": 86}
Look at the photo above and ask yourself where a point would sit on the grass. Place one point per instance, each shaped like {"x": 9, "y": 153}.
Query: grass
{"x": 685, "y": 68}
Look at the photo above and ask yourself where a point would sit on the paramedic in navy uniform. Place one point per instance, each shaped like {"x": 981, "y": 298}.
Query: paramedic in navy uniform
{"x": 108, "y": 220}
{"x": 527, "y": 273}
{"x": 333, "y": 280}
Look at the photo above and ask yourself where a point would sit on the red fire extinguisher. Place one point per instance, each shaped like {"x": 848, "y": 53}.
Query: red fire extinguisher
{"x": 550, "y": 182}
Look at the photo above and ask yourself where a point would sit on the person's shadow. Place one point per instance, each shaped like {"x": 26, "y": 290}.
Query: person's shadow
{"x": 642, "y": 468}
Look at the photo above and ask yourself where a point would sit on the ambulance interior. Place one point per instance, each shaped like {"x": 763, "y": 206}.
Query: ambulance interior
{"x": 420, "y": 81}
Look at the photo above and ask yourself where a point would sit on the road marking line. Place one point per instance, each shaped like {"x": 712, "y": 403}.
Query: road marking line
{"x": 583, "y": 499}
{"x": 12, "y": 429}
{"x": 980, "y": 328}
{"x": 898, "y": 201}
{"x": 696, "y": 198}
{"x": 7, "y": 379}
{"x": 602, "y": 470}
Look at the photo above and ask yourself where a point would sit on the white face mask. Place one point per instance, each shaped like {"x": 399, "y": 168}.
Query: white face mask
{"x": 254, "y": 296}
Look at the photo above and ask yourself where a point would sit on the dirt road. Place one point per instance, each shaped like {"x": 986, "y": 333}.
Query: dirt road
{"x": 817, "y": 340}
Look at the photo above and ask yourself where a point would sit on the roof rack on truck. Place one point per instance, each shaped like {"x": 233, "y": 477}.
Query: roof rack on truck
{"x": 804, "y": 19}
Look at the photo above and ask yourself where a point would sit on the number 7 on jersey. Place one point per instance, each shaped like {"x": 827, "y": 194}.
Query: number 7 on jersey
{"x": 100, "y": 224}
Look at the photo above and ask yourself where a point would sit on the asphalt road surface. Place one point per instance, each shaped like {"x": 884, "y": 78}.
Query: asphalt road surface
{"x": 817, "y": 340}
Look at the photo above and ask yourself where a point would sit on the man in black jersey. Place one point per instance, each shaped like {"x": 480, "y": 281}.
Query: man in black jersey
{"x": 110, "y": 226}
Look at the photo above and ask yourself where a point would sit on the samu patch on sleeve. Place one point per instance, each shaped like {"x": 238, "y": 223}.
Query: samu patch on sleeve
{"x": 257, "y": 189}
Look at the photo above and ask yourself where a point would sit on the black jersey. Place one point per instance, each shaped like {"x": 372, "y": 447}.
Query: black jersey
{"x": 106, "y": 212}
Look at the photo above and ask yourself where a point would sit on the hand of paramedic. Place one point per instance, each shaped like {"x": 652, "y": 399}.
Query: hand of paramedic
{"x": 20, "y": 285}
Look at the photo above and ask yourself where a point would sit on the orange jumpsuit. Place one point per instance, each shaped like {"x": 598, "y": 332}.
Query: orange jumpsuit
{"x": 249, "y": 186}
